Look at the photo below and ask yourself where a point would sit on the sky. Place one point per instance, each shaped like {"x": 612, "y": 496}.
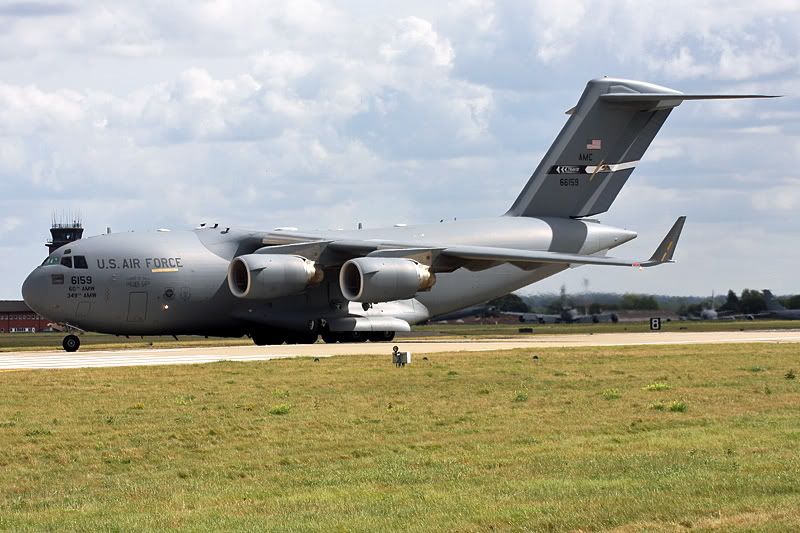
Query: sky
{"x": 312, "y": 114}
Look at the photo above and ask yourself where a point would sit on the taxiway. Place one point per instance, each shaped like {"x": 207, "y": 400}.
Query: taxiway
{"x": 209, "y": 354}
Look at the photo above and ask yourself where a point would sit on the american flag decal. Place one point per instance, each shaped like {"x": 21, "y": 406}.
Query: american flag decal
{"x": 595, "y": 144}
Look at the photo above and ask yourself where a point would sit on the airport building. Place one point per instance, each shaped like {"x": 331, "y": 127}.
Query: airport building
{"x": 17, "y": 317}
{"x": 64, "y": 232}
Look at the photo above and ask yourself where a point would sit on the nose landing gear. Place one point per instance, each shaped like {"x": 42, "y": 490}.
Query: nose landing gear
{"x": 71, "y": 343}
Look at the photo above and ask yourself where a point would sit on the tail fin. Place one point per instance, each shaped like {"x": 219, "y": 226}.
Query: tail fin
{"x": 772, "y": 303}
{"x": 666, "y": 249}
{"x": 596, "y": 151}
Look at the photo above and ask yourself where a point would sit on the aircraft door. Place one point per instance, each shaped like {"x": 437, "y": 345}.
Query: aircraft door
{"x": 137, "y": 307}
{"x": 83, "y": 310}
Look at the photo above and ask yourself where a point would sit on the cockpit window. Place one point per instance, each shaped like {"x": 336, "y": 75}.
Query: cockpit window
{"x": 52, "y": 260}
{"x": 80, "y": 262}
{"x": 66, "y": 261}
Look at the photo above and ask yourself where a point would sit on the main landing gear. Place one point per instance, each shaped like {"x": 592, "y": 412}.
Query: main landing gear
{"x": 275, "y": 337}
{"x": 357, "y": 336}
{"x": 71, "y": 343}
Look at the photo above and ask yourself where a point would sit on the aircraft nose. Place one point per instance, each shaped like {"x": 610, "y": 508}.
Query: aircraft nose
{"x": 33, "y": 290}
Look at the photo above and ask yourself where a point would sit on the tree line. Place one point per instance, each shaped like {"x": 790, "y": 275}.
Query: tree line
{"x": 749, "y": 301}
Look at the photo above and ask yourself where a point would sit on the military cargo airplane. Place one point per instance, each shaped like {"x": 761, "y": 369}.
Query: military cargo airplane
{"x": 476, "y": 311}
{"x": 288, "y": 285}
{"x": 567, "y": 315}
{"x": 776, "y": 310}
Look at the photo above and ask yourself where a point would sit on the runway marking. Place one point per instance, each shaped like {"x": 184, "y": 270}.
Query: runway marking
{"x": 10, "y": 361}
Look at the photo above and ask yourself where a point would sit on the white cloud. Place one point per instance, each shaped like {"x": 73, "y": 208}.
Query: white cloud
{"x": 25, "y": 110}
{"x": 415, "y": 42}
{"x": 9, "y": 224}
{"x": 784, "y": 197}
{"x": 681, "y": 66}
{"x": 555, "y": 27}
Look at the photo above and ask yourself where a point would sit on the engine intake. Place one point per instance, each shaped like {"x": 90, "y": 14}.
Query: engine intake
{"x": 265, "y": 276}
{"x": 383, "y": 279}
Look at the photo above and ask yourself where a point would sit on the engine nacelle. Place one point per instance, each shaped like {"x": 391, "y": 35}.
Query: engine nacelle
{"x": 383, "y": 279}
{"x": 265, "y": 276}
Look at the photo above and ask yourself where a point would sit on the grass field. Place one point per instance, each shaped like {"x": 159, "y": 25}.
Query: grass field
{"x": 93, "y": 341}
{"x": 653, "y": 438}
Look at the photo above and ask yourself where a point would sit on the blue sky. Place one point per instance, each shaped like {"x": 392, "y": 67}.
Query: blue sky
{"x": 317, "y": 114}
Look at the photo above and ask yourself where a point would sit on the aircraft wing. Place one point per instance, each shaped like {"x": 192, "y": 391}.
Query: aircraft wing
{"x": 448, "y": 258}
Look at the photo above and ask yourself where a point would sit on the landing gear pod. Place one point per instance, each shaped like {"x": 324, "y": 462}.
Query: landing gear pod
{"x": 266, "y": 276}
{"x": 383, "y": 279}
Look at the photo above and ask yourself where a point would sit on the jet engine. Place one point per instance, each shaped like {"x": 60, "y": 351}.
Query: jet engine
{"x": 265, "y": 276}
{"x": 383, "y": 279}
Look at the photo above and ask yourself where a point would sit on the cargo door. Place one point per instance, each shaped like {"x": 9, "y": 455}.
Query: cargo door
{"x": 83, "y": 310}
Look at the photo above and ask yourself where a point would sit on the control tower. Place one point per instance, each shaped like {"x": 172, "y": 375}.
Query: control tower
{"x": 64, "y": 230}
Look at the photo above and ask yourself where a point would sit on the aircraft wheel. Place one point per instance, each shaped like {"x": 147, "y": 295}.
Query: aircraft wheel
{"x": 357, "y": 336}
{"x": 309, "y": 338}
{"x": 381, "y": 336}
{"x": 331, "y": 337}
{"x": 263, "y": 338}
{"x": 71, "y": 343}
{"x": 276, "y": 339}
{"x": 303, "y": 338}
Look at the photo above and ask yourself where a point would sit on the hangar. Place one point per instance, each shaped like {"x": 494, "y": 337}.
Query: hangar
{"x": 17, "y": 317}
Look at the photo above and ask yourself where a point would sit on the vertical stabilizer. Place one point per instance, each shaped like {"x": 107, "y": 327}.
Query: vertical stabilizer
{"x": 772, "y": 303}
{"x": 598, "y": 148}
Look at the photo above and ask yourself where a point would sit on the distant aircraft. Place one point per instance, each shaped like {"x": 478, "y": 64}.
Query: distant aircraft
{"x": 480, "y": 311}
{"x": 776, "y": 310}
{"x": 709, "y": 313}
{"x": 568, "y": 315}
{"x": 287, "y": 285}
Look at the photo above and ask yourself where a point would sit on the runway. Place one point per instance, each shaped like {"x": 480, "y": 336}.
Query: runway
{"x": 210, "y": 354}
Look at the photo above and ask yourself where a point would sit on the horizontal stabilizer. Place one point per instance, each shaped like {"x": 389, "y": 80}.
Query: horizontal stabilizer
{"x": 654, "y": 101}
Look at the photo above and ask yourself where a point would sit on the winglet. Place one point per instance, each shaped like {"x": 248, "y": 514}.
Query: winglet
{"x": 666, "y": 249}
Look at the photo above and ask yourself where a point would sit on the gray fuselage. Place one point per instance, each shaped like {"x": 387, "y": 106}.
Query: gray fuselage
{"x": 175, "y": 282}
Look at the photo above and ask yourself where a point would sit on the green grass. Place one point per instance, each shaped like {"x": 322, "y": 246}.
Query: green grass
{"x": 364, "y": 446}
{"x": 612, "y": 394}
{"x": 678, "y": 406}
{"x": 657, "y": 386}
{"x": 281, "y": 409}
